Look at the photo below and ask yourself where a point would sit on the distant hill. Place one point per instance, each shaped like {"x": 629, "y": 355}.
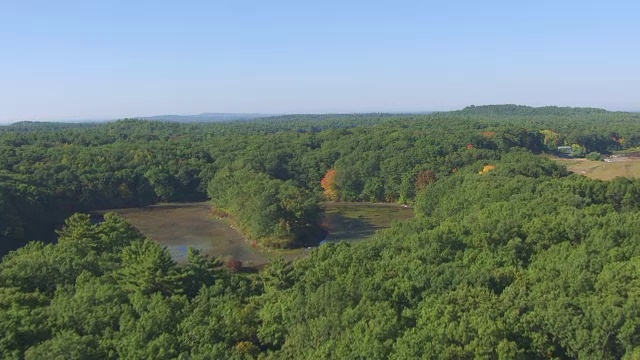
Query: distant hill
{"x": 521, "y": 110}
{"x": 205, "y": 117}
{"x": 45, "y": 125}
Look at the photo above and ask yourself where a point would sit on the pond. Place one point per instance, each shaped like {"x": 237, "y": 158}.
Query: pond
{"x": 183, "y": 225}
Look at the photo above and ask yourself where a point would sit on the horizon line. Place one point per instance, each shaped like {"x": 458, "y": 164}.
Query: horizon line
{"x": 268, "y": 114}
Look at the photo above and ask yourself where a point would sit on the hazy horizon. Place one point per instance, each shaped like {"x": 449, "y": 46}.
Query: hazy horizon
{"x": 74, "y": 61}
{"x": 105, "y": 119}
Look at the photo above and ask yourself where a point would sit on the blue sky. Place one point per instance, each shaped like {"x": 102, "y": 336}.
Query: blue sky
{"x": 109, "y": 59}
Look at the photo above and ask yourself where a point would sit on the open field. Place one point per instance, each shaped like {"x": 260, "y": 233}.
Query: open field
{"x": 179, "y": 226}
{"x": 606, "y": 171}
{"x": 626, "y": 165}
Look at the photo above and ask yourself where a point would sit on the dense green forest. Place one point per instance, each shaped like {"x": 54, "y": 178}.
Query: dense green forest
{"x": 509, "y": 255}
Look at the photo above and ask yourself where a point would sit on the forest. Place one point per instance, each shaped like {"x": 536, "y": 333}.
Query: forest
{"x": 509, "y": 255}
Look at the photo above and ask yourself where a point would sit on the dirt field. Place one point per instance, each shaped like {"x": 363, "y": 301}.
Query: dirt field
{"x": 627, "y": 165}
{"x": 179, "y": 226}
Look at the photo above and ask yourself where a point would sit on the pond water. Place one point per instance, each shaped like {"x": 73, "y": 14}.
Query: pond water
{"x": 180, "y": 226}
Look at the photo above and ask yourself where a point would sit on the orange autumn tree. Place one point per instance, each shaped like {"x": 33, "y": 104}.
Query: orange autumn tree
{"x": 328, "y": 183}
{"x": 486, "y": 169}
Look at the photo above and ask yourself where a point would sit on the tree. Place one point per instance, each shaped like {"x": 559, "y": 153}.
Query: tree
{"x": 329, "y": 185}
{"x": 425, "y": 178}
{"x": 67, "y": 345}
{"x": 199, "y": 272}
{"x": 147, "y": 268}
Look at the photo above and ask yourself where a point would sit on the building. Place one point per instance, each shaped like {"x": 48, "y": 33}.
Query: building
{"x": 566, "y": 150}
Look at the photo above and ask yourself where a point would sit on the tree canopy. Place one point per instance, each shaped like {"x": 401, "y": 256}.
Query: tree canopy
{"x": 509, "y": 255}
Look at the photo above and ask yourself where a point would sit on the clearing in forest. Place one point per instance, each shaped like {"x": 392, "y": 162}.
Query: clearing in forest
{"x": 626, "y": 165}
{"x": 179, "y": 226}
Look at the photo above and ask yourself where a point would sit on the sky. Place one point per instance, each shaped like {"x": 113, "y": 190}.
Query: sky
{"x": 72, "y": 60}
